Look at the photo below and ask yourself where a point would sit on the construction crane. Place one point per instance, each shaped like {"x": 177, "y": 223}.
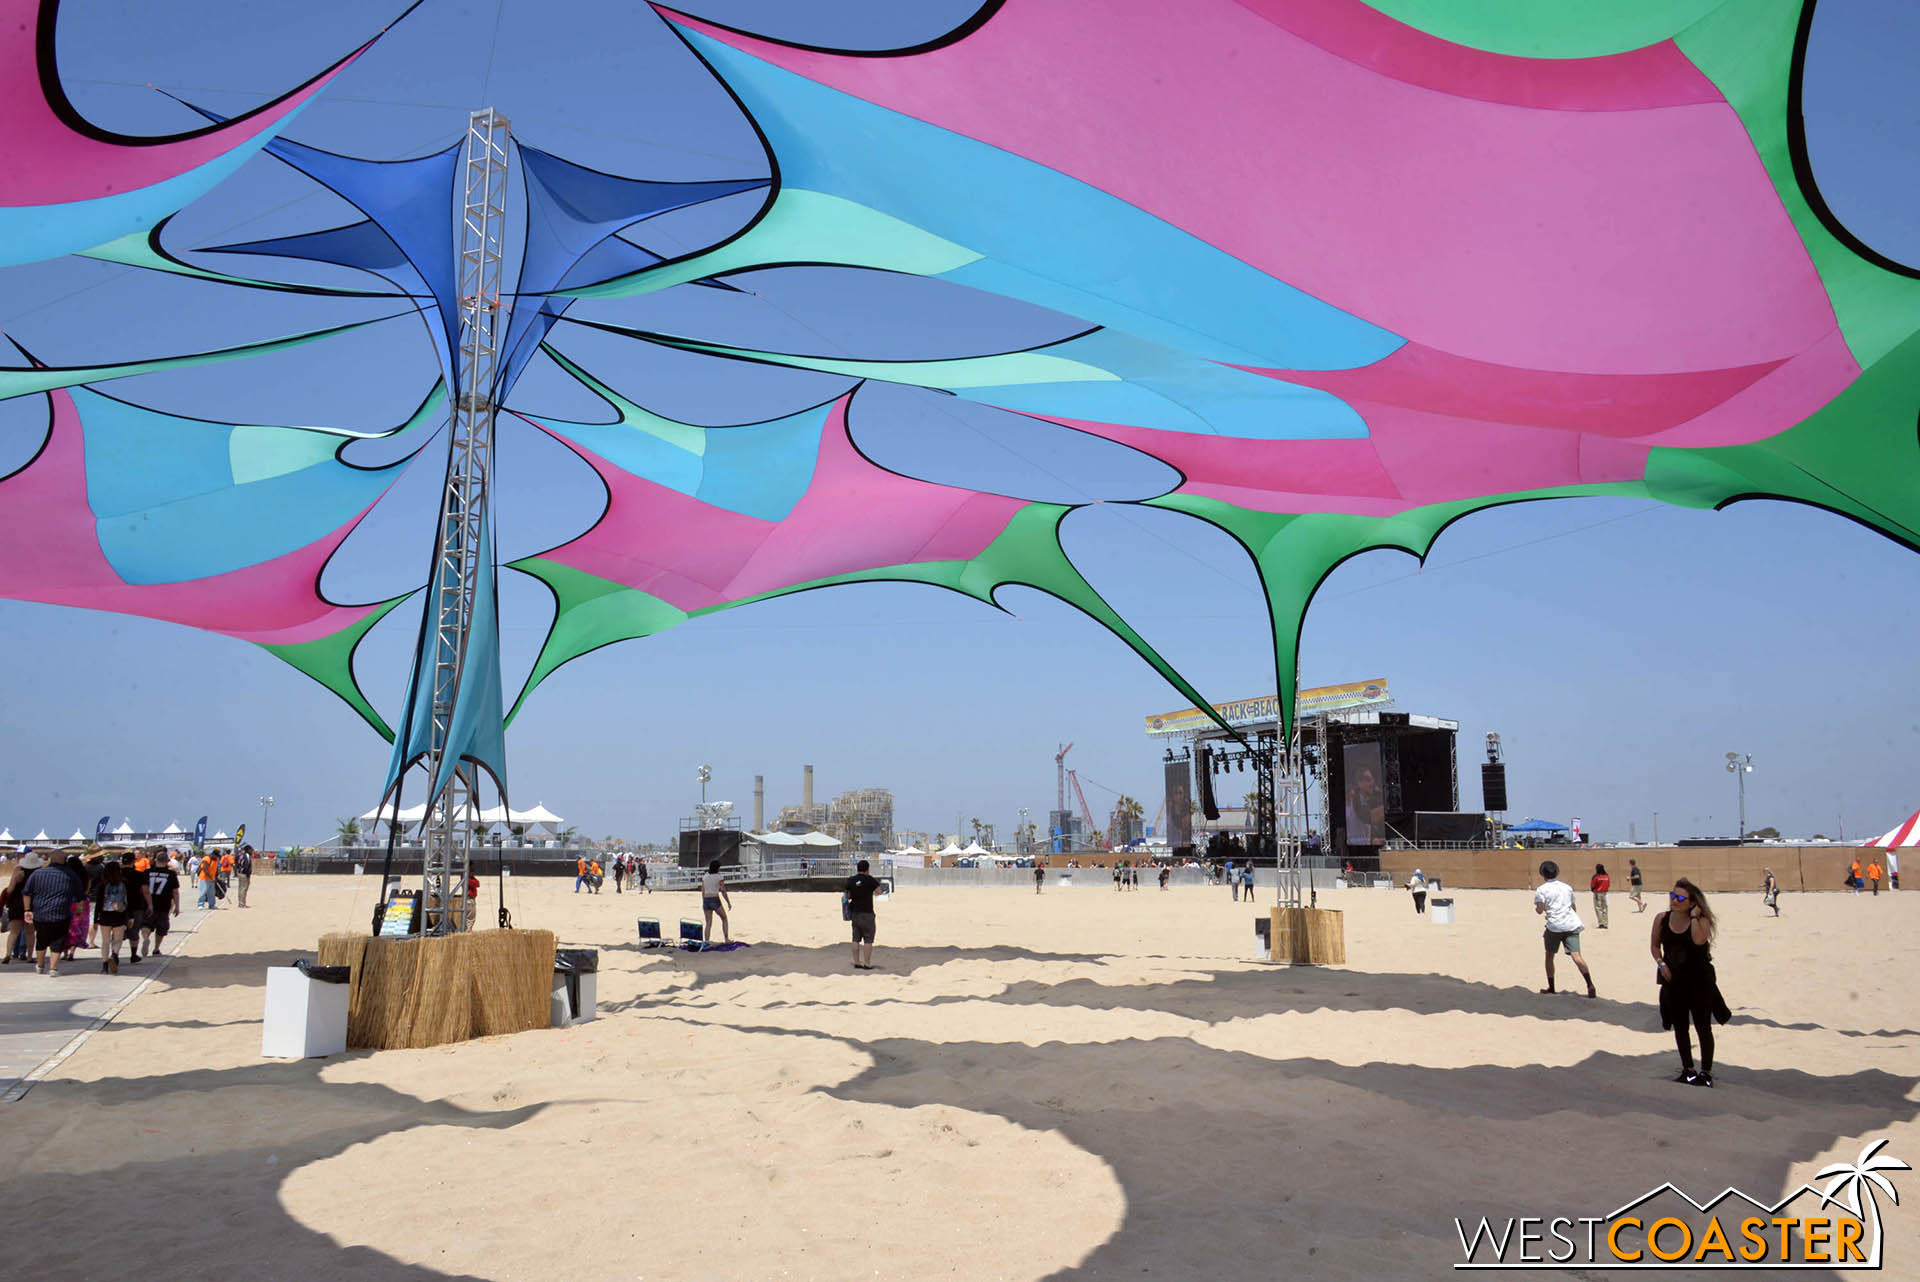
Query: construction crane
{"x": 1086, "y": 811}
{"x": 1060, "y": 771}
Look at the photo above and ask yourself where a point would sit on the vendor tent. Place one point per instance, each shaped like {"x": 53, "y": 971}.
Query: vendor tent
{"x": 220, "y": 836}
{"x": 124, "y": 830}
{"x": 1904, "y": 835}
{"x": 975, "y": 848}
{"x": 78, "y": 836}
{"x": 42, "y": 835}
{"x": 950, "y": 849}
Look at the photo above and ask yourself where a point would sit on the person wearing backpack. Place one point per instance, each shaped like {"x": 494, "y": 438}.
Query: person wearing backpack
{"x": 242, "y": 873}
{"x": 113, "y": 907}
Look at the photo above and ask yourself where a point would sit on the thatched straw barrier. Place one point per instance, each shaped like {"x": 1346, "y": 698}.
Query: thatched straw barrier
{"x": 1317, "y": 936}
{"x": 416, "y": 992}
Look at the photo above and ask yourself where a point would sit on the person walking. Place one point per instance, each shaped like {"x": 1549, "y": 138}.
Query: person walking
{"x": 209, "y": 873}
{"x": 1770, "y": 891}
{"x": 242, "y": 874}
{"x": 619, "y": 874}
{"x": 1246, "y": 880}
{"x": 715, "y": 899}
{"x": 640, "y": 867}
{"x": 1853, "y": 876}
{"x": 46, "y": 902}
{"x": 1418, "y": 885}
{"x": 1689, "y": 989}
{"x": 859, "y": 901}
{"x": 163, "y": 902}
{"x": 10, "y": 905}
{"x": 1554, "y": 900}
{"x": 1039, "y": 877}
{"x": 1165, "y": 873}
{"x": 113, "y": 908}
{"x": 1874, "y": 873}
{"x": 580, "y": 873}
{"x": 1600, "y": 885}
{"x": 1633, "y": 883}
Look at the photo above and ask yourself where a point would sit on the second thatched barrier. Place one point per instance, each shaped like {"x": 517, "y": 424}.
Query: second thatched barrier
{"x": 416, "y": 992}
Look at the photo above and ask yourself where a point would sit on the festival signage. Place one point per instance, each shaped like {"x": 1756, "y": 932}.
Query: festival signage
{"x": 1265, "y": 710}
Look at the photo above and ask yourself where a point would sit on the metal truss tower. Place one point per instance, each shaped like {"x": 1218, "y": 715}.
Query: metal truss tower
{"x": 462, "y": 553}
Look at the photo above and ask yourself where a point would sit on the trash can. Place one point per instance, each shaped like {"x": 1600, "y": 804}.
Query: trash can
{"x": 576, "y": 979}
{"x": 1263, "y": 938}
{"x": 1339, "y": 883}
{"x": 306, "y": 1012}
{"x": 1441, "y": 910}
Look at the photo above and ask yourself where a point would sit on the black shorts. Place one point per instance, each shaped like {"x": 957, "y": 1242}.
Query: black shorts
{"x": 863, "y": 924}
{"x": 50, "y": 934}
{"x": 160, "y": 920}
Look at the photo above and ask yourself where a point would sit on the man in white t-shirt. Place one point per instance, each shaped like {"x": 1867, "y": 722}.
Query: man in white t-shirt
{"x": 1554, "y": 899}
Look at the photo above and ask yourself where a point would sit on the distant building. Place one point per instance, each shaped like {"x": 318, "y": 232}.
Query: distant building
{"x": 862, "y": 819}
{"x": 1123, "y": 828}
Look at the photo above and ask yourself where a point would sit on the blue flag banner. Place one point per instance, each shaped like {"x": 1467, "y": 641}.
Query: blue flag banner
{"x": 100, "y": 829}
{"x": 200, "y": 831}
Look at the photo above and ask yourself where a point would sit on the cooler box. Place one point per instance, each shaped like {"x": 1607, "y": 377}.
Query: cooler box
{"x": 306, "y": 1012}
{"x": 1441, "y": 910}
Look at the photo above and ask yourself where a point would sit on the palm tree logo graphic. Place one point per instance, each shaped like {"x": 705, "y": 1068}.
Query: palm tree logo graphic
{"x": 1852, "y": 1183}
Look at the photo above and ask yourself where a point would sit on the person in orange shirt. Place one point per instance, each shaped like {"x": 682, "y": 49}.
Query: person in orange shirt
{"x": 594, "y": 876}
{"x": 579, "y": 877}
{"x": 209, "y": 873}
{"x": 1874, "y": 873}
{"x": 226, "y": 861}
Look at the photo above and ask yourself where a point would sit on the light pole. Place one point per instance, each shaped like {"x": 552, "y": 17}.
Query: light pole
{"x": 1740, "y": 765}
{"x": 1656, "y": 827}
{"x": 706, "y": 774}
{"x": 1023, "y": 830}
{"x": 266, "y": 804}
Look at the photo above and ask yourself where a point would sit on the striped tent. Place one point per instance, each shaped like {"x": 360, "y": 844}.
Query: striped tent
{"x": 1906, "y": 834}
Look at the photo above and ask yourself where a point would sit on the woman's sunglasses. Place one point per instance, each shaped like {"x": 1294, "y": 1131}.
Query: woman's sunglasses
{"x": 1677, "y": 896}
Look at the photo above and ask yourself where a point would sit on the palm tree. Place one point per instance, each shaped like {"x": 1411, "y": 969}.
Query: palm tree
{"x": 348, "y": 830}
{"x": 1862, "y": 1175}
{"x": 568, "y": 835}
{"x": 976, "y": 830}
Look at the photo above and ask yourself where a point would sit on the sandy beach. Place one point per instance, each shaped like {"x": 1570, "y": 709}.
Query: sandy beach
{"x": 1080, "y": 1084}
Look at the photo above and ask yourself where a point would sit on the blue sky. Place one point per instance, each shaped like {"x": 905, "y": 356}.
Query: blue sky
{"x": 1620, "y": 648}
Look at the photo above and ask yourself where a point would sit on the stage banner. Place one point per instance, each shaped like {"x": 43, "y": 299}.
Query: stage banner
{"x": 1179, "y": 803}
{"x": 1265, "y": 710}
{"x": 1365, "y": 779}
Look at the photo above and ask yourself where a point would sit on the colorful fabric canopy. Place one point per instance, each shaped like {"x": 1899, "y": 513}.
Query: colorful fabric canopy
{"x": 1901, "y": 836}
{"x": 1351, "y": 270}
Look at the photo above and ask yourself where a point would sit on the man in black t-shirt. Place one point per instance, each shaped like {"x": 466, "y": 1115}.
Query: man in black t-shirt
{"x": 163, "y": 901}
{"x": 860, "y": 888}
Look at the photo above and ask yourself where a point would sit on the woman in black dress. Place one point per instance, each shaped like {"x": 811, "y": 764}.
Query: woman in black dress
{"x": 1689, "y": 990}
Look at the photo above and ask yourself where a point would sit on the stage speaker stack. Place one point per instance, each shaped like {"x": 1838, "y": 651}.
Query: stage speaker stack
{"x": 1493, "y": 786}
{"x": 1203, "y": 770}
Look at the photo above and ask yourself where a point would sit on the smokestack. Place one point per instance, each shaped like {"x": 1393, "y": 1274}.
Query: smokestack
{"x": 806, "y": 786}
{"x": 759, "y": 803}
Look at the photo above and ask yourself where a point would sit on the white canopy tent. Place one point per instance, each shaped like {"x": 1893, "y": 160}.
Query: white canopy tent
{"x": 910, "y": 850}
{"x": 220, "y": 836}
{"x": 949, "y": 849}
{"x": 775, "y": 839}
{"x": 124, "y": 830}
{"x": 172, "y": 830}
{"x": 77, "y": 835}
{"x": 6, "y": 834}
{"x": 975, "y": 848}
{"x": 42, "y": 836}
